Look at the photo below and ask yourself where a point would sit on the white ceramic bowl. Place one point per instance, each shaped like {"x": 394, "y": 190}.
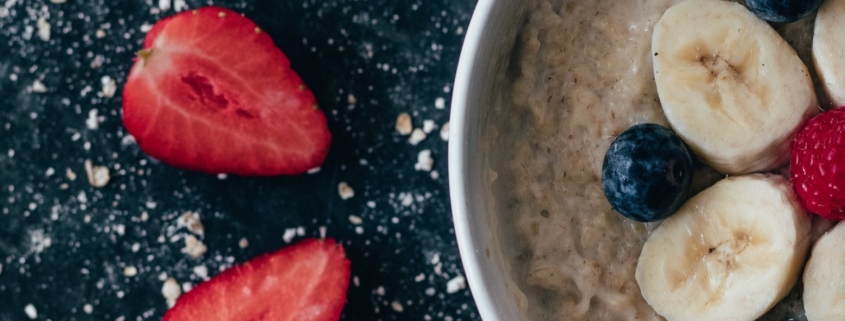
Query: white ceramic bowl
{"x": 487, "y": 46}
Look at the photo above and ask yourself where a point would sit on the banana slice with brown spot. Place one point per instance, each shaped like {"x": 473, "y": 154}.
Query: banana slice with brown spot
{"x": 730, "y": 86}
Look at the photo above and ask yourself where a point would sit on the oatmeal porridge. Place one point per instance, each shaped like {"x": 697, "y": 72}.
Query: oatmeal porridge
{"x": 581, "y": 73}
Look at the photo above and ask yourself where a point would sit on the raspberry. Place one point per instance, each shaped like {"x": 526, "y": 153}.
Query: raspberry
{"x": 817, "y": 164}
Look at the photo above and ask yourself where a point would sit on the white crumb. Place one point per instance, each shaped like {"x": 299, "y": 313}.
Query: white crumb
{"x": 243, "y": 243}
{"x": 92, "y": 122}
{"x": 38, "y": 86}
{"x": 179, "y": 5}
{"x": 420, "y": 278}
{"x": 300, "y": 231}
{"x": 417, "y": 136}
{"x": 289, "y": 235}
{"x": 440, "y": 103}
{"x": 371, "y": 204}
{"x": 171, "y": 291}
{"x": 322, "y": 230}
{"x": 88, "y": 308}
{"x": 407, "y": 199}
{"x": 351, "y": 99}
{"x": 345, "y": 191}
{"x": 191, "y": 221}
{"x": 380, "y": 291}
{"x": 424, "y": 161}
{"x": 164, "y": 5}
{"x": 429, "y": 126}
{"x": 109, "y": 86}
{"x": 314, "y": 170}
{"x": 100, "y": 34}
{"x": 146, "y": 27}
{"x": 194, "y": 247}
{"x": 70, "y": 174}
{"x": 456, "y": 284}
{"x": 130, "y": 271}
{"x": 30, "y": 311}
{"x": 98, "y": 176}
{"x": 444, "y": 132}
{"x": 145, "y": 216}
{"x": 58, "y": 1}
{"x": 403, "y": 124}
{"x": 201, "y": 271}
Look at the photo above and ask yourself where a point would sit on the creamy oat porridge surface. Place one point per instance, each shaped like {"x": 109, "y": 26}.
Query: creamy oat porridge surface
{"x": 580, "y": 74}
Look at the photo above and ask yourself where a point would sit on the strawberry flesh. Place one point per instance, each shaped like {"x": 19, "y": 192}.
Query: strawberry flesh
{"x": 303, "y": 282}
{"x": 817, "y": 164}
{"x": 211, "y": 92}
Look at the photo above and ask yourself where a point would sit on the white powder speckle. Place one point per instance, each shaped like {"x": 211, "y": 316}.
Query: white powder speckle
{"x": 322, "y": 230}
{"x": 371, "y": 204}
{"x": 100, "y": 34}
{"x": 201, "y": 271}
{"x": 88, "y": 308}
{"x": 424, "y": 161}
{"x": 109, "y": 86}
{"x": 179, "y": 5}
{"x": 440, "y": 103}
{"x": 130, "y": 271}
{"x": 38, "y": 87}
{"x": 345, "y": 191}
{"x": 43, "y": 29}
{"x": 355, "y": 220}
{"x": 30, "y": 311}
{"x": 417, "y": 136}
{"x": 380, "y": 291}
{"x": 403, "y": 124}
{"x": 420, "y": 277}
{"x": 164, "y": 5}
{"x": 243, "y": 243}
{"x": 456, "y": 284}
{"x": 397, "y": 306}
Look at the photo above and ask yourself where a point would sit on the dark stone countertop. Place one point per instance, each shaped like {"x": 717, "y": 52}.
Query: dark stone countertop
{"x": 64, "y": 245}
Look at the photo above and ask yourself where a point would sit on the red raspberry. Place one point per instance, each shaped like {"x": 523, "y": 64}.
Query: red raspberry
{"x": 817, "y": 165}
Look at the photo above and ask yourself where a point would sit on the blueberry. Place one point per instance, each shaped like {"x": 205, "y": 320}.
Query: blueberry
{"x": 782, "y": 11}
{"x": 646, "y": 173}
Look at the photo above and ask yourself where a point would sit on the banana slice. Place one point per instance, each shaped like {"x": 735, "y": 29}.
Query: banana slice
{"x": 829, "y": 49}
{"x": 730, "y": 253}
{"x": 824, "y": 278}
{"x": 730, "y": 86}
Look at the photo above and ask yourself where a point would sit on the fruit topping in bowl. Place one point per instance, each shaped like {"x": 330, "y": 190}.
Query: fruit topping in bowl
{"x": 817, "y": 165}
{"x": 782, "y": 11}
{"x": 823, "y": 277}
{"x": 646, "y": 173}
{"x": 729, "y": 253}
{"x": 730, "y": 86}
{"x": 211, "y": 92}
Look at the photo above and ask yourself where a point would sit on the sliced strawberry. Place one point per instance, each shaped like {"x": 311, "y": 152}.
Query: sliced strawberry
{"x": 303, "y": 282}
{"x": 211, "y": 92}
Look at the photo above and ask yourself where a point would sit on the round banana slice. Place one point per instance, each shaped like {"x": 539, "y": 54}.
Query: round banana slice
{"x": 730, "y": 86}
{"x": 730, "y": 253}
{"x": 824, "y": 277}
{"x": 829, "y": 49}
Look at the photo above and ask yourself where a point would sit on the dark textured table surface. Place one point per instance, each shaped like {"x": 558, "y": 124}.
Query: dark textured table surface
{"x": 68, "y": 249}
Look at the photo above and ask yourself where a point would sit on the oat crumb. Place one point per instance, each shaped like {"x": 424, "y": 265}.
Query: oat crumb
{"x": 355, "y": 220}
{"x": 88, "y": 308}
{"x": 109, "y": 86}
{"x": 130, "y": 271}
{"x": 429, "y": 126}
{"x": 201, "y": 271}
{"x": 191, "y": 221}
{"x": 456, "y": 284}
{"x": 30, "y": 311}
{"x": 289, "y": 235}
{"x": 380, "y": 291}
{"x": 440, "y": 103}
{"x": 346, "y": 192}
{"x": 243, "y": 243}
{"x": 351, "y": 99}
{"x": 43, "y": 29}
{"x": 98, "y": 176}
{"x": 70, "y": 174}
{"x": 38, "y": 86}
{"x": 417, "y": 136}
{"x": 100, "y": 34}
{"x": 403, "y": 124}
{"x": 397, "y": 306}
{"x": 424, "y": 161}
{"x": 444, "y": 132}
{"x": 171, "y": 291}
{"x": 194, "y": 247}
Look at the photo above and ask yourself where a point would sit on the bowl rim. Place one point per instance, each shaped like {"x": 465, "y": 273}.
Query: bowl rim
{"x": 457, "y": 161}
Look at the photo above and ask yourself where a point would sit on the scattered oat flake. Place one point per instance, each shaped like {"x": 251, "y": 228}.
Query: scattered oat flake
{"x": 403, "y": 124}
{"x": 201, "y": 271}
{"x": 429, "y": 126}
{"x": 98, "y": 176}
{"x": 109, "y": 86}
{"x": 145, "y": 216}
{"x": 444, "y": 132}
{"x": 346, "y": 192}
{"x": 30, "y": 311}
{"x": 171, "y": 291}
{"x": 130, "y": 271}
{"x": 456, "y": 284}
{"x": 417, "y": 136}
{"x": 380, "y": 291}
{"x": 397, "y": 306}
{"x": 351, "y": 99}
{"x": 194, "y": 247}
{"x": 70, "y": 174}
{"x": 43, "y": 29}
{"x": 355, "y": 220}
{"x": 88, "y": 308}
{"x": 424, "y": 161}
{"x": 289, "y": 235}
{"x": 191, "y": 221}
{"x": 38, "y": 86}
{"x": 100, "y": 34}
{"x": 243, "y": 243}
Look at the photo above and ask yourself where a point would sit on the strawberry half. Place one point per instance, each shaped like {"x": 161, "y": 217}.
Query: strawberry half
{"x": 211, "y": 92}
{"x": 303, "y": 282}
